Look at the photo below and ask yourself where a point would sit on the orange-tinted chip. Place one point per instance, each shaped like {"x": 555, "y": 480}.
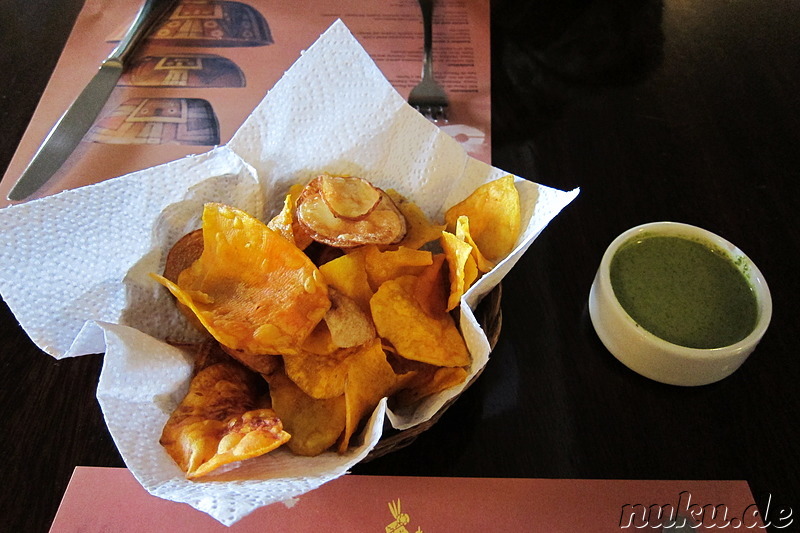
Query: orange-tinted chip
{"x": 494, "y": 215}
{"x": 315, "y": 425}
{"x": 462, "y": 267}
{"x": 319, "y": 341}
{"x": 263, "y": 364}
{"x": 432, "y": 289}
{"x": 420, "y": 229}
{"x": 253, "y": 290}
{"x": 391, "y": 264}
{"x": 428, "y": 380}
{"x": 463, "y": 233}
{"x": 220, "y": 421}
{"x": 370, "y": 377}
{"x": 348, "y": 275}
{"x": 286, "y": 222}
{"x": 324, "y": 375}
{"x": 414, "y": 334}
{"x": 319, "y": 375}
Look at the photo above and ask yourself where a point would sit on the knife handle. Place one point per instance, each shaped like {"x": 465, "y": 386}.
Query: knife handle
{"x": 148, "y": 14}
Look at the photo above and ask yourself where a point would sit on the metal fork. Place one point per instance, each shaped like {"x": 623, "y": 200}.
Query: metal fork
{"x": 428, "y": 97}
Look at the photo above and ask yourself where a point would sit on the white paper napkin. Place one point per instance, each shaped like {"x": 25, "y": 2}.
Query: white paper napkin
{"x": 74, "y": 267}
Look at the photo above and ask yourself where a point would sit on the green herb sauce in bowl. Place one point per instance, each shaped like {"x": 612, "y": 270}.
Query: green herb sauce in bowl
{"x": 678, "y": 304}
{"x": 684, "y": 291}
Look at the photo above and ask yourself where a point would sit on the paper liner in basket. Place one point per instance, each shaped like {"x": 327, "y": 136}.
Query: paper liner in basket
{"x": 75, "y": 266}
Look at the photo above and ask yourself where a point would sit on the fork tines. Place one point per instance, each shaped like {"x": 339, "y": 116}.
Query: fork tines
{"x": 433, "y": 112}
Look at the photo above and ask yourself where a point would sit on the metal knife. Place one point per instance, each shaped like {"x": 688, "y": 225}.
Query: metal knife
{"x": 76, "y": 121}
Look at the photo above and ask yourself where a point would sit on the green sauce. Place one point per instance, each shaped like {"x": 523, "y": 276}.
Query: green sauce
{"x": 684, "y": 291}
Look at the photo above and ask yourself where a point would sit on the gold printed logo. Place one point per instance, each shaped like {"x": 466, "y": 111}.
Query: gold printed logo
{"x": 401, "y": 519}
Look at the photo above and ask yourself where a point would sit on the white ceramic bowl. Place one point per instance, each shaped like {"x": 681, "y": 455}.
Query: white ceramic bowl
{"x": 656, "y": 358}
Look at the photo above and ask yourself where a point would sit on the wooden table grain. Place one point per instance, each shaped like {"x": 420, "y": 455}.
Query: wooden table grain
{"x": 657, "y": 110}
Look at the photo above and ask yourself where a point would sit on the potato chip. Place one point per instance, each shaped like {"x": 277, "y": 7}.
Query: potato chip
{"x": 348, "y": 324}
{"x": 286, "y": 222}
{"x": 220, "y": 421}
{"x": 432, "y": 289}
{"x": 253, "y": 434}
{"x": 252, "y": 289}
{"x": 348, "y": 275}
{"x": 463, "y": 233}
{"x": 426, "y": 381}
{"x": 319, "y": 341}
{"x": 402, "y": 321}
{"x": 205, "y": 354}
{"x": 382, "y": 224}
{"x": 349, "y": 197}
{"x": 315, "y": 425}
{"x": 369, "y": 379}
{"x": 494, "y": 215}
{"x": 462, "y": 267}
{"x": 282, "y": 222}
{"x": 261, "y": 363}
{"x": 319, "y": 375}
{"x": 183, "y": 253}
{"x": 391, "y": 264}
{"x": 420, "y": 229}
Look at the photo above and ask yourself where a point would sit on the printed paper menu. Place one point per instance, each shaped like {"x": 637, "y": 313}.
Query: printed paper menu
{"x": 207, "y": 65}
{"x": 94, "y": 502}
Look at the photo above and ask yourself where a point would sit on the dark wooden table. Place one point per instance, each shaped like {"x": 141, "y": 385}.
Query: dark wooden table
{"x": 673, "y": 110}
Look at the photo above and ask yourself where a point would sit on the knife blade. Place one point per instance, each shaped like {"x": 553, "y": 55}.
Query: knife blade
{"x": 67, "y": 133}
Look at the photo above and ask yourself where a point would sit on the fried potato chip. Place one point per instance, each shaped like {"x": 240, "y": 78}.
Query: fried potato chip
{"x": 414, "y": 334}
{"x": 253, "y": 290}
{"x": 315, "y": 425}
{"x": 211, "y": 352}
{"x": 220, "y": 421}
{"x": 263, "y": 363}
{"x": 348, "y": 324}
{"x": 462, "y": 267}
{"x": 370, "y": 378}
{"x": 319, "y": 375}
{"x": 324, "y": 375}
{"x": 494, "y": 214}
{"x": 391, "y": 264}
{"x": 205, "y": 354}
{"x": 420, "y": 229}
{"x": 381, "y": 224}
{"x": 427, "y": 380}
{"x": 286, "y": 222}
{"x": 349, "y": 197}
{"x": 282, "y": 222}
{"x": 183, "y": 253}
{"x": 253, "y": 434}
{"x": 463, "y": 233}
{"x": 348, "y": 275}
{"x": 432, "y": 289}
{"x": 320, "y": 341}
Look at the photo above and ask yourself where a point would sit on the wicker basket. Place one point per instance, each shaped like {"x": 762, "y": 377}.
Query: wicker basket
{"x": 489, "y": 316}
